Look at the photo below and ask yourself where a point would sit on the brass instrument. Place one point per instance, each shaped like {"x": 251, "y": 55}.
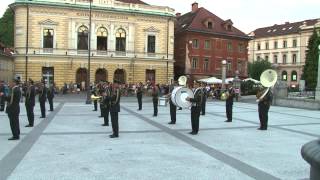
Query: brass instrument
{"x": 94, "y": 98}
{"x": 268, "y": 79}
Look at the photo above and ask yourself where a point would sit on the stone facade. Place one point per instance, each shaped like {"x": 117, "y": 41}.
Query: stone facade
{"x": 64, "y": 61}
{"x": 6, "y": 64}
{"x": 284, "y": 46}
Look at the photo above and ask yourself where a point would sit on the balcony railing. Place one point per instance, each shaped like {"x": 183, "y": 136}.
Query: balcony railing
{"x": 97, "y": 53}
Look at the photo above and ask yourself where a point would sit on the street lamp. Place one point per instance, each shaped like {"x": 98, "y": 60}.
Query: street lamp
{"x": 224, "y": 65}
{"x": 88, "y": 101}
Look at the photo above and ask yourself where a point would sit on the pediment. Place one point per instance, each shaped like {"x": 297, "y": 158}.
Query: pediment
{"x": 48, "y": 22}
{"x": 151, "y": 29}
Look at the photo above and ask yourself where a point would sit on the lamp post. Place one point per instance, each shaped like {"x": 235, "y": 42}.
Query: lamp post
{"x": 88, "y": 101}
{"x": 317, "y": 95}
{"x": 224, "y": 67}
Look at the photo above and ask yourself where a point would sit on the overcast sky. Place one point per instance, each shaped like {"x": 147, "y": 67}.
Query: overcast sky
{"x": 247, "y": 15}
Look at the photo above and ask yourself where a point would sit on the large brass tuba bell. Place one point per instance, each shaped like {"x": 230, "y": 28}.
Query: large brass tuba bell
{"x": 268, "y": 79}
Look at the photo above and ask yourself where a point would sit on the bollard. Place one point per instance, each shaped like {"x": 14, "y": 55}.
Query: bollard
{"x": 311, "y": 153}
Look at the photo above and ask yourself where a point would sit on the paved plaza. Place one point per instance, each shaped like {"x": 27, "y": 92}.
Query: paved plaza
{"x": 71, "y": 144}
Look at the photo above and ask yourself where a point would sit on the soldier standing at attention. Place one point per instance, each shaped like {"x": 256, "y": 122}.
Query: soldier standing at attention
{"x": 204, "y": 99}
{"x": 263, "y": 109}
{"x": 173, "y": 108}
{"x": 229, "y": 102}
{"x": 95, "y": 102}
{"x": 42, "y": 99}
{"x": 106, "y": 103}
{"x": 114, "y": 110}
{"x": 30, "y": 102}
{"x": 139, "y": 96}
{"x": 13, "y": 109}
{"x": 155, "y": 100}
{"x": 50, "y": 96}
{"x": 195, "y": 108}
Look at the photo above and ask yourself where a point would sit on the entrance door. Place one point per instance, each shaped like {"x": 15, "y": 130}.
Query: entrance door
{"x": 81, "y": 75}
{"x": 119, "y": 76}
{"x": 101, "y": 75}
{"x": 150, "y": 76}
{"x": 48, "y": 75}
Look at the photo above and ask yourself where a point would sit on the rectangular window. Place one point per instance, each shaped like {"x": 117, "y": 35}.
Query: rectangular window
{"x": 294, "y": 59}
{"x": 275, "y": 59}
{"x": 229, "y": 46}
{"x": 267, "y": 45}
{"x": 229, "y": 67}
{"x": 284, "y": 59}
{"x": 266, "y": 58}
{"x": 241, "y": 47}
{"x": 275, "y": 45}
{"x": 258, "y": 46}
{"x": 195, "y": 43}
{"x": 207, "y": 44}
{"x": 194, "y": 63}
{"x": 284, "y": 44}
{"x": 206, "y": 64}
{"x": 209, "y": 25}
{"x": 151, "y": 44}
{"x": 294, "y": 43}
{"x": 239, "y": 66}
{"x": 48, "y": 38}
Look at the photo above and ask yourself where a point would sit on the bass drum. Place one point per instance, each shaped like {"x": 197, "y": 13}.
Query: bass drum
{"x": 179, "y": 95}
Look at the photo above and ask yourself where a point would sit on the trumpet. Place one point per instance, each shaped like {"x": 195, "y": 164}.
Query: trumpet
{"x": 93, "y": 97}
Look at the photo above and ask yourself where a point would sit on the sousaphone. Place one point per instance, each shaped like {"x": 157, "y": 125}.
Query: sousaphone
{"x": 268, "y": 79}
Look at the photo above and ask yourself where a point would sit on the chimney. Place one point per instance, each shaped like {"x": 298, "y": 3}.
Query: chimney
{"x": 194, "y": 7}
{"x": 178, "y": 14}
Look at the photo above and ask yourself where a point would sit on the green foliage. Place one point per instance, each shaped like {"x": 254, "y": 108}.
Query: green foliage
{"x": 249, "y": 88}
{"x": 6, "y": 28}
{"x": 256, "y": 68}
{"x": 310, "y": 70}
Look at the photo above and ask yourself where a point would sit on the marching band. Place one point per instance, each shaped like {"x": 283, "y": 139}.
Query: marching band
{"x": 109, "y": 95}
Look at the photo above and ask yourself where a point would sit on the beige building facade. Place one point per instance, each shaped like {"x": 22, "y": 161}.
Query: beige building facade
{"x": 130, "y": 41}
{"x": 6, "y": 64}
{"x": 284, "y": 46}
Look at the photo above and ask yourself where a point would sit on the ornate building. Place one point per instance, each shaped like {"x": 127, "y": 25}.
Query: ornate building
{"x": 131, "y": 41}
{"x": 6, "y": 64}
{"x": 285, "y": 46}
{"x": 203, "y": 41}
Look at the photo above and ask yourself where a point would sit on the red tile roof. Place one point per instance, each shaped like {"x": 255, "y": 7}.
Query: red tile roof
{"x": 283, "y": 29}
{"x": 133, "y": 1}
{"x": 194, "y": 21}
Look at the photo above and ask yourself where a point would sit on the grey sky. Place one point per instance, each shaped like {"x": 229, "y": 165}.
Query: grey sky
{"x": 246, "y": 15}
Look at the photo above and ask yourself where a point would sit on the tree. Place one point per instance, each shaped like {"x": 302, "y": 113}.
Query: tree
{"x": 256, "y": 68}
{"x": 6, "y": 28}
{"x": 310, "y": 69}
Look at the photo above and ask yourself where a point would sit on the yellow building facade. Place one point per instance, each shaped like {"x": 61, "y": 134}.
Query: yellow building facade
{"x": 130, "y": 42}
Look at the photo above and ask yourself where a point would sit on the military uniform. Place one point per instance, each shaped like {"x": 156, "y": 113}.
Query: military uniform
{"x": 229, "y": 104}
{"x": 263, "y": 109}
{"x": 106, "y": 106}
{"x": 2, "y": 97}
{"x": 42, "y": 101}
{"x": 50, "y": 96}
{"x": 30, "y": 94}
{"x": 114, "y": 111}
{"x": 139, "y": 97}
{"x": 204, "y": 101}
{"x": 195, "y": 110}
{"x": 95, "y": 102}
{"x": 155, "y": 100}
{"x": 13, "y": 111}
{"x": 173, "y": 108}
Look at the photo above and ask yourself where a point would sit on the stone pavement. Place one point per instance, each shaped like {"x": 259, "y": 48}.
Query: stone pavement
{"x": 71, "y": 144}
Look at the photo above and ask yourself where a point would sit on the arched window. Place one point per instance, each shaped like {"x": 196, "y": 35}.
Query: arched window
{"x": 102, "y": 39}
{"x": 284, "y": 76}
{"x": 121, "y": 40}
{"x": 294, "y": 76}
{"x": 83, "y": 38}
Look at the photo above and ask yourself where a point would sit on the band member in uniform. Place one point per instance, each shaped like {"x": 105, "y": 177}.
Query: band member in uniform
{"x": 30, "y": 94}
{"x": 196, "y": 108}
{"x": 106, "y": 103}
{"x": 95, "y": 102}
{"x": 114, "y": 110}
{"x": 2, "y": 96}
{"x": 155, "y": 100}
{"x": 139, "y": 96}
{"x": 229, "y": 102}
{"x": 263, "y": 109}
{"x": 42, "y": 99}
{"x": 13, "y": 109}
{"x": 173, "y": 108}
{"x": 100, "y": 93}
{"x": 204, "y": 99}
{"x": 50, "y": 96}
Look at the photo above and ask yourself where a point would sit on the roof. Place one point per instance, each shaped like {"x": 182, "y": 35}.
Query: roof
{"x": 133, "y": 1}
{"x": 194, "y": 21}
{"x": 283, "y": 29}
